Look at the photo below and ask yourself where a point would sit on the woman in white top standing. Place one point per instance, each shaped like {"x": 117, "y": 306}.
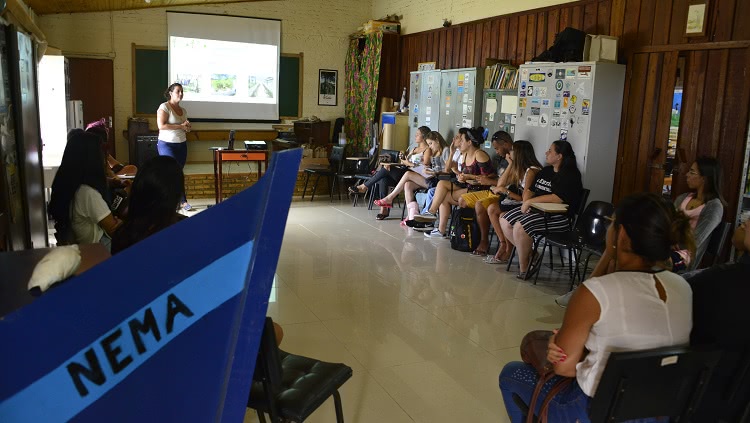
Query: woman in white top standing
{"x": 173, "y": 127}
{"x": 77, "y": 202}
{"x": 637, "y": 307}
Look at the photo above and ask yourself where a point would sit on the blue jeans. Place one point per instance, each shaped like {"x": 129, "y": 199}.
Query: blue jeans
{"x": 177, "y": 151}
{"x": 428, "y": 201}
{"x": 570, "y": 405}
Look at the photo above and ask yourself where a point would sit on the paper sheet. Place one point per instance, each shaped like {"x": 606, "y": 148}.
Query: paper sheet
{"x": 491, "y": 106}
{"x": 509, "y": 104}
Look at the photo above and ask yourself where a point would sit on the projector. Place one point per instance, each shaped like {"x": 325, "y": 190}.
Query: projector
{"x": 255, "y": 145}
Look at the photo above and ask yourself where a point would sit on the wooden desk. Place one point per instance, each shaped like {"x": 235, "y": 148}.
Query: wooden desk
{"x": 552, "y": 208}
{"x": 19, "y": 265}
{"x": 222, "y": 155}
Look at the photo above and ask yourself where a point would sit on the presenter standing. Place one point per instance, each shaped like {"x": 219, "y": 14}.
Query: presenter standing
{"x": 173, "y": 127}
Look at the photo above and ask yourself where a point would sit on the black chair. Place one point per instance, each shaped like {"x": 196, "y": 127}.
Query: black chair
{"x": 334, "y": 167}
{"x": 338, "y": 127}
{"x": 392, "y": 157}
{"x": 659, "y": 382}
{"x": 588, "y": 235}
{"x": 290, "y": 387}
{"x": 717, "y": 242}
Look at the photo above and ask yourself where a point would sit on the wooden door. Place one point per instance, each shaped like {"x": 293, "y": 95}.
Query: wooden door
{"x": 646, "y": 115}
{"x": 92, "y": 81}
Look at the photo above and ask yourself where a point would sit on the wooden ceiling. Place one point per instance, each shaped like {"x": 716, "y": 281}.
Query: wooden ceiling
{"x": 44, "y": 7}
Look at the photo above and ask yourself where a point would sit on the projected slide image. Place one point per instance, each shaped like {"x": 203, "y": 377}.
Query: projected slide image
{"x": 223, "y": 84}
{"x": 224, "y": 71}
{"x": 262, "y": 87}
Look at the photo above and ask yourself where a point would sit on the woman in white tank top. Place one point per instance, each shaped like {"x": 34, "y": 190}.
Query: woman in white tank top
{"x": 636, "y": 307}
{"x": 173, "y": 128}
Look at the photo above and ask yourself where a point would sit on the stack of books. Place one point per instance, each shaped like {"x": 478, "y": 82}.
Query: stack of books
{"x": 501, "y": 77}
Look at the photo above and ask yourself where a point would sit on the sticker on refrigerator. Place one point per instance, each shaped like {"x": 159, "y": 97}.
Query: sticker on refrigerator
{"x": 530, "y": 91}
{"x": 542, "y": 91}
{"x": 523, "y": 85}
{"x": 532, "y": 120}
{"x": 537, "y": 77}
{"x": 467, "y": 77}
{"x": 466, "y": 123}
{"x": 555, "y": 114}
{"x": 555, "y": 124}
{"x": 581, "y": 88}
{"x": 559, "y": 85}
{"x": 563, "y": 135}
{"x": 513, "y": 119}
{"x": 524, "y": 74}
{"x": 565, "y": 102}
{"x": 536, "y": 102}
{"x": 566, "y": 94}
{"x": 469, "y": 109}
{"x": 466, "y": 98}
{"x": 570, "y": 73}
{"x": 572, "y": 109}
{"x": 584, "y": 72}
{"x": 427, "y": 121}
{"x": 522, "y": 102}
{"x": 573, "y": 99}
{"x": 428, "y": 110}
{"x": 545, "y": 103}
{"x": 585, "y": 107}
{"x": 565, "y": 124}
{"x": 460, "y": 79}
{"x": 557, "y": 104}
{"x": 429, "y": 97}
{"x": 512, "y": 129}
{"x": 522, "y": 93}
{"x": 460, "y": 89}
{"x": 559, "y": 73}
{"x": 447, "y": 112}
{"x": 492, "y": 117}
{"x": 430, "y": 80}
{"x": 535, "y": 111}
{"x": 465, "y": 109}
{"x": 543, "y": 120}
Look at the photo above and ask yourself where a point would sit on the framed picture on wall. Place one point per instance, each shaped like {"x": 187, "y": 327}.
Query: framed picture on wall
{"x": 697, "y": 17}
{"x": 328, "y": 87}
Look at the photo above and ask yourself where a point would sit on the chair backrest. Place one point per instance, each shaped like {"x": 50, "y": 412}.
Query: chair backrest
{"x": 592, "y": 224}
{"x": 392, "y": 153}
{"x": 584, "y": 198}
{"x": 659, "y": 382}
{"x": 336, "y": 158}
{"x": 268, "y": 363}
{"x": 717, "y": 241}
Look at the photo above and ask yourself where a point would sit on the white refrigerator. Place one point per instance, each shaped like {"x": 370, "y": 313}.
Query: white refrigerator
{"x": 580, "y": 102}
{"x": 424, "y": 101}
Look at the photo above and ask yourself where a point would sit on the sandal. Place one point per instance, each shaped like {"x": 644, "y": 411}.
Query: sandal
{"x": 381, "y": 203}
{"x": 381, "y": 216}
{"x": 522, "y": 275}
{"x": 495, "y": 260}
{"x": 478, "y": 253}
{"x": 354, "y": 190}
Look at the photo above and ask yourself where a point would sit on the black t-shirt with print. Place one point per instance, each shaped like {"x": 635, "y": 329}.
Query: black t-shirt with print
{"x": 566, "y": 185}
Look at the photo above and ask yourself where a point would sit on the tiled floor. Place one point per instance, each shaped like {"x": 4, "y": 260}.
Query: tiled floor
{"x": 425, "y": 328}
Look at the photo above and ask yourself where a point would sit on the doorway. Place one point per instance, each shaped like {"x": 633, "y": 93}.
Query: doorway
{"x": 92, "y": 81}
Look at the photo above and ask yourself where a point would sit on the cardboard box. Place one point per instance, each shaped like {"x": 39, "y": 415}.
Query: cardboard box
{"x": 312, "y": 162}
{"x": 600, "y": 48}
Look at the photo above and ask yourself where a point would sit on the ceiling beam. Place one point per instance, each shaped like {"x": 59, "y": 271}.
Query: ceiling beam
{"x": 46, "y": 7}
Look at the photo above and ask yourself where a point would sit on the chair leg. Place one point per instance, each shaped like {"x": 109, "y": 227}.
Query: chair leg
{"x": 315, "y": 187}
{"x": 510, "y": 259}
{"x": 339, "y": 408}
{"x": 541, "y": 260}
{"x": 261, "y": 416}
{"x": 304, "y": 190}
{"x": 332, "y": 183}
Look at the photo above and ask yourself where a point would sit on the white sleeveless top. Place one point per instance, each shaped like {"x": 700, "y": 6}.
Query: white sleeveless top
{"x": 633, "y": 317}
{"x": 173, "y": 135}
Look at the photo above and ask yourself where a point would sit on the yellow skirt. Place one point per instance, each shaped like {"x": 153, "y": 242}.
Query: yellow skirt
{"x": 484, "y": 197}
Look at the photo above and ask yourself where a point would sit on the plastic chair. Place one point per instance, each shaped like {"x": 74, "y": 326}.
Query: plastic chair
{"x": 666, "y": 382}
{"x": 290, "y": 387}
{"x": 330, "y": 172}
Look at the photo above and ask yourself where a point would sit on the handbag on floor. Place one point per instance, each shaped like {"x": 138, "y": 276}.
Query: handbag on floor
{"x": 534, "y": 352}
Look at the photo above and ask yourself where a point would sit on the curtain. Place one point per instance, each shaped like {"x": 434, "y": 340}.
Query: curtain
{"x": 362, "y": 75}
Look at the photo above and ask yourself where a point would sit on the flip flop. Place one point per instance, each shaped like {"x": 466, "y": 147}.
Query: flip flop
{"x": 478, "y": 253}
{"x": 381, "y": 203}
{"x": 493, "y": 260}
{"x": 381, "y": 216}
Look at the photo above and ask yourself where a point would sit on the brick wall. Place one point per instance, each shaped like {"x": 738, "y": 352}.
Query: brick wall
{"x": 202, "y": 185}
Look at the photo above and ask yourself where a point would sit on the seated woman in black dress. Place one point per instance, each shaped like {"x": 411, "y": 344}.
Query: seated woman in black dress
{"x": 155, "y": 196}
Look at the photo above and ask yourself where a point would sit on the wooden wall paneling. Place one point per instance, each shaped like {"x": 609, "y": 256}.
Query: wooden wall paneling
{"x": 617, "y": 18}
{"x": 564, "y": 19}
{"x": 424, "y": 48}
{"x": 723, "y": 19}
{"x": 660, "y": 32}
{"x": 721, "y": 95}
{"x": 530, "y": 37}
{"x": 635, "y": 93}
{"x": 630, "y": 24}
{"x": 512, "y": 39}
{"x": 678, "y": 22}
{"x": 521, "y": 39}
{"x": 476, "y": 57}
{"x": 604, "y": 14}
{"x": 740, "y": 29}
{"x": 646, "y": 23}
{"x": 457, "y": 47}
{"x": 429, "y": 41}
{"x": 447, "y": 52}
{"x": 715, "y": 81}
{"x": 541, "y": 33}
{"x": 663, "y": 121}
{"x": 553, "y": 26}
{"x": 589, "y": 18}
{"x": 648, "y": 124}
{"x": 576, "y": 17}
{"x": 734, "y": 128}
{"x": 498, "y": 40}
{"x": 467, "y": 47}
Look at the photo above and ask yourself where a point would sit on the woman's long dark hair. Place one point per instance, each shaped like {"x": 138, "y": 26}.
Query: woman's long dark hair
{"x": 568, "y": 164}
{"x": 154, "y": 197}
{"x": 523, "y": 158}
{"x": 710, "y": 169}
{"x": 473, "y": 134}
{"x": 81, "y": 165}
{"x": 653, "y": 225}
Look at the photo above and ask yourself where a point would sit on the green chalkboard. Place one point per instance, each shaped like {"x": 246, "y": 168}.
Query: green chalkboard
{"x": 150, "y": 71}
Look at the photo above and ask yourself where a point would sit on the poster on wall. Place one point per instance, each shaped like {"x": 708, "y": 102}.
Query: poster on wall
{"x": 328, "y": 87}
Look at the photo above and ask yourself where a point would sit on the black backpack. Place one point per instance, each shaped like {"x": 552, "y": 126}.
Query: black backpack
{"x": 568, "y": 47}
{"x": 464, "y": 230}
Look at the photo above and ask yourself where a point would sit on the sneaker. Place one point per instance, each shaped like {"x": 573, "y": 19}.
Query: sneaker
{"x": 421, "y": 225}
{"x": 425, "y": 229}
{"x": 563, "y": 300}
{"x": 426, "y": 217}
{"x": 435, "y": 233}
{"x": 187, "y": 207}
